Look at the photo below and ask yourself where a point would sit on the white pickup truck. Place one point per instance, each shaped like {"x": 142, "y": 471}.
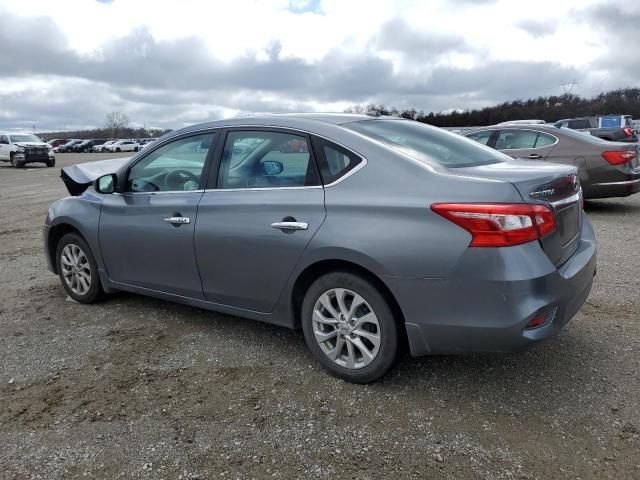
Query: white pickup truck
{"x": 23, "y": 148}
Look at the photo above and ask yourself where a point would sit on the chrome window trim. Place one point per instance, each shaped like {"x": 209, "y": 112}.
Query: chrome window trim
{"x": 526, "y": 148}
{"x": 158, "y": 193}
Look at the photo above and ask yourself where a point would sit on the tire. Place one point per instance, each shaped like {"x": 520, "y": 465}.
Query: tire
{"x": 78, "y": 258}
{"x": 351, "y": 363}
{"x": 15, "y": 163}
{"x": 51, "y": 163}
{"x": 118, "y": 150}
{"x": 136, "y": 149}
{"x": 86, "y": 150}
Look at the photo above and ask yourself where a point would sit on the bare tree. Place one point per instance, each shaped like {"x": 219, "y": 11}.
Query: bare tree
{"x": 116, "y": 121}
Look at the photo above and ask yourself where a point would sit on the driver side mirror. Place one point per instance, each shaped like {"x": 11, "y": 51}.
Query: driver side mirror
{"x": 106, "y": 183}
{"x": 272, "y": 167}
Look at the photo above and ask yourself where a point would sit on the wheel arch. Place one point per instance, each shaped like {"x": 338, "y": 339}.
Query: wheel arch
{"x": 315, "y": 270}
{"x": 56, "y": 233}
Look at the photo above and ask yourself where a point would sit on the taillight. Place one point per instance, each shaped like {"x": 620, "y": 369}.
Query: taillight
{"x": 628, "y": 131}
{"x": 618, "y": 157}
{"x": 499, "y": 224}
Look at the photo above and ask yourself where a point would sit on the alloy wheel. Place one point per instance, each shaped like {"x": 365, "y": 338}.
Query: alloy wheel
{"x": 346, "y": 328}
{"x": 76, "y": 270}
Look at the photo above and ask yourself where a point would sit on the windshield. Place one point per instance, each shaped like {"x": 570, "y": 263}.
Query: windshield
{"x": 428, "y": 144}
{"x": 24, "y": 138}
{"x": 585, "y": 136}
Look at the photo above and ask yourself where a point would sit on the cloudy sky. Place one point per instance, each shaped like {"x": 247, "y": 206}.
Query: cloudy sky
{"x": 64, "y": 64}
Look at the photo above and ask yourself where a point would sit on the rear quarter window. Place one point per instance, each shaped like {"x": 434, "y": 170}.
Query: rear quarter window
{"x": 334, "y": 161}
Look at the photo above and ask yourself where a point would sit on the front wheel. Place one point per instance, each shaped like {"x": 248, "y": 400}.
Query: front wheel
{"x": 349, "y": 327}
{"x": 15, "y": 163}
{"x": 136, "y": 149}
{"x": 118, "y": 150}
{"x": 78, "y": 269}
{"x": 51, "y": 163}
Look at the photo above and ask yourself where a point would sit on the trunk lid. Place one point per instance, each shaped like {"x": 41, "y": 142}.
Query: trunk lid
{"x": 553, "y": 185}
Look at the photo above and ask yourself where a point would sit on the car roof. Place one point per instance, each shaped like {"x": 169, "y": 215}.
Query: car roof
{"x": 547, "y": 127}
{"x": 286, "y": 120}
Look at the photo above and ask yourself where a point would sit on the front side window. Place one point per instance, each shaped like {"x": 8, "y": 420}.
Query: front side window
{"x": 426, "y": 143}
{"x": 176, "y": 166}
{"x": 481, "y": 137}
{"x": 263, "y": 159}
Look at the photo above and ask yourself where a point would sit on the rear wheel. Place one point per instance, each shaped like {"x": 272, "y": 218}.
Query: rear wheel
{"x": 349, "y": 327}
{"x": 78, "y": 269}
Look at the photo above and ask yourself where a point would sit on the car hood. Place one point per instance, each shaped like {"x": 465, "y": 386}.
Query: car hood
{"x": 77, "y": 178}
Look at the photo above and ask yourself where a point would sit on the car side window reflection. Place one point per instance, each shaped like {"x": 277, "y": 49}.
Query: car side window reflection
{"x": 176, "y": 166}
{"x": 481, "y": 137}
{"x": 263, "y": 159}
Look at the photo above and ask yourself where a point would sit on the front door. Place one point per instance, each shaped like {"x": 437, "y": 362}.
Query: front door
{"x": 146, "y": 233}
{"x": 253, "y": 226}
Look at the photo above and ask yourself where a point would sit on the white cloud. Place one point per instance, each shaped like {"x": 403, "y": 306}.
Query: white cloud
{"x": 246, "y": 55}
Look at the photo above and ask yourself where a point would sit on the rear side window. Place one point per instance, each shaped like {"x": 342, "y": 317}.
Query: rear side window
{"x": 266, "y": 159}
{"x": 333, "y": 160}
{"x": 579, "y": 123}
{"x": 544, "y": 140}
{"x": 515, "y": 139}
{"x": 426, "y": 143}
{"x": 481, "y": 137}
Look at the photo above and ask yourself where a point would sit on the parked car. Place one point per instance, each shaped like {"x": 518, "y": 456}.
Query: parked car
{"x": 86, "y": 146}
{"x": 615, "y": 128}
{"x": 607, "y": 169}
{"x": 123, "y": 146}
{"x": 103, "y": 147}
{"x": 369, "y": 243}
{"x": 68, "y": 147}
{"x": 57, "y": 141}
{"x": 23, "y": 148}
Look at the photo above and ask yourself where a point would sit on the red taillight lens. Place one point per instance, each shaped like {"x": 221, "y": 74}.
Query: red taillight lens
{"x": 619, "y": 157}
{"x": 628, "y": 131}
{"x": 499, "y": 225}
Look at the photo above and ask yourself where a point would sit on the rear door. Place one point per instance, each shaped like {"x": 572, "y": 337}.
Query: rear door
{"x": 265, "y": 202}
{"x": 525, "y": 143}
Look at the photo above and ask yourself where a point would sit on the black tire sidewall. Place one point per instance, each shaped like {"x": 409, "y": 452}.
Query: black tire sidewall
{"x": 388, "y": 326}
{"x": 95, "y": 290}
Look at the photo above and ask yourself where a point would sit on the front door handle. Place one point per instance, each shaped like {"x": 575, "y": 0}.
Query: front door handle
{"x": 534, "y": 156}
{"x": 290, "y": 225}
{"x": 177, "y": 220}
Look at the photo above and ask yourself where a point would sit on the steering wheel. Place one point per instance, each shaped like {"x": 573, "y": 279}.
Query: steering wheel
{"x": 177, "y": 179}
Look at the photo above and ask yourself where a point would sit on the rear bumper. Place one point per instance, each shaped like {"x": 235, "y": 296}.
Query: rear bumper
{"x": 486, "y": 304}
{"x": 621, "y": 188}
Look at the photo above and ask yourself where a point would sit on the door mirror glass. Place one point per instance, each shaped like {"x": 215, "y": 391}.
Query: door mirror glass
{"x": 106, "y": 183}
{"x": 272, "y": 167}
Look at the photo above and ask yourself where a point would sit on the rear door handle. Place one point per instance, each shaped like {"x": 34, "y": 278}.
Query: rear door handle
{"x": 177, "y": 220}
{"x": 534, "y": 156}
{"x": 290, "y": 225}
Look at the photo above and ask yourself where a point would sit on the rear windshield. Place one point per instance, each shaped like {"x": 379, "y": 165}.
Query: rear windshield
{"x": 428, "y": 144}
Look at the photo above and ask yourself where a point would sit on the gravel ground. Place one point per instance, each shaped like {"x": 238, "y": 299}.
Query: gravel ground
{"x": 140, "y": 388}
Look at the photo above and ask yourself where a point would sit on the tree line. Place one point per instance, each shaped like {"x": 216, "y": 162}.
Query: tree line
{"x": 116, "y": 126}
{"x": 551, "y": 109}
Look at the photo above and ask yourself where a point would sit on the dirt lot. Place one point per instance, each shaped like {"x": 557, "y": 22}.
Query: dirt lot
{"x": 140, "y": 388}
